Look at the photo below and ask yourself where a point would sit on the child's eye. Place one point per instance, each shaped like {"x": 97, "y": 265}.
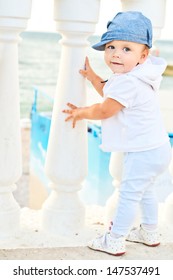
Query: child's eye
{"x": 126, "y": 49}
{"x": 110, "y": 47}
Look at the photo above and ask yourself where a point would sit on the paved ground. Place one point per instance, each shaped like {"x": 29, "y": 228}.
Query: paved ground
{"x": 134, "y": 252}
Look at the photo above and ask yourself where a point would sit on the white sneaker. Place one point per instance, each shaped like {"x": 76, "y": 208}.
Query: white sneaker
{"x": 108, "y": 244}
{"x": 149, "y": 238}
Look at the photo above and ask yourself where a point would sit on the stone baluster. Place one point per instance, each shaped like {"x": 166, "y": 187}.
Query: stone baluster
{"x": 13, "y": 19}
{"x": 115, "y": 169}
{"x": 156, "y": 13}
{"x": 66, "y": 161}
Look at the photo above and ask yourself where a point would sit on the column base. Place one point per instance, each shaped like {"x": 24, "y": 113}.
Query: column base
{"x": 9, "y": 215}
{"x": 63, "y": 213}
{"x": 168, "y": 216}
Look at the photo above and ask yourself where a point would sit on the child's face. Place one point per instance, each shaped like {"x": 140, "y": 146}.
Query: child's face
{"x": 123, "y": 56}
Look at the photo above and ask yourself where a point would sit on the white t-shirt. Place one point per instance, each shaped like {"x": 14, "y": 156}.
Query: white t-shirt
{"x": 139, "y": 125}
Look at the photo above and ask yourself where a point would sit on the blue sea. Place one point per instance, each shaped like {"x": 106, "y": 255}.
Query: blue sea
{"x": 39, "y": 56}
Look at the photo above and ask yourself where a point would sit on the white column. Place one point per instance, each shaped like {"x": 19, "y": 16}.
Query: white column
{"x": 115, "y": 169}
{"x": 168, "y": 205}
{"x": 155, "y": 10}
{"x": 66, "y": 162}
{"x": 13, "y": 18}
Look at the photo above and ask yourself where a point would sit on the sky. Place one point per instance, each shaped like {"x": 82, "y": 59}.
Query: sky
{"x": 42, "y": 16}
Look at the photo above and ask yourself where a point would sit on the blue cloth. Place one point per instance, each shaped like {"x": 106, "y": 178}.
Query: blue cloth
{"x": 127, "y": 26}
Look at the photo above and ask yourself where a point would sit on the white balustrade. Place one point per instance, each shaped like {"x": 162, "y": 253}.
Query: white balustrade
{"x": 66, "y": 161}
{"x": 13, "y": 19}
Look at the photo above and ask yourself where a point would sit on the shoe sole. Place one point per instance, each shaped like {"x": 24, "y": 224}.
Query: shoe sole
{"x": 149, "y": 245}
{"x": 117, "y": 254}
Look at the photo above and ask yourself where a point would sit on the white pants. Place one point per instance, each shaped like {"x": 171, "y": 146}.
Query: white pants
{"x": 140, "y": 170}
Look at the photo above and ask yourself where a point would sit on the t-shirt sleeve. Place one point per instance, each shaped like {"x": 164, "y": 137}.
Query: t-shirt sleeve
{"x": 122, "y": 89}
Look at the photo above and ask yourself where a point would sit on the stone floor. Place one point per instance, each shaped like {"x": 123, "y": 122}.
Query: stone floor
{"x": 134, "y": 252}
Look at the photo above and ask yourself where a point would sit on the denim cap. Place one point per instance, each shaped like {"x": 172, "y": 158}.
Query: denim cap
{"x": 127, "y": 26}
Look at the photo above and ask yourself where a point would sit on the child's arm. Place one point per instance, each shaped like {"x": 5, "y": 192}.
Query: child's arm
{"x": 96, "y": 81}
{"x": 97, "y": 111}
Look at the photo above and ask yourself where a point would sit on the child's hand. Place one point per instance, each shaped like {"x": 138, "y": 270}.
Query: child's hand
{"x": 74, "y": 114}
{"x": 88, "y": 72}
{"x": 97, "y": 82}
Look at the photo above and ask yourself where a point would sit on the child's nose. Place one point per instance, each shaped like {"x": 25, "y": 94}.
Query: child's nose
{"x": 116, "y": 53}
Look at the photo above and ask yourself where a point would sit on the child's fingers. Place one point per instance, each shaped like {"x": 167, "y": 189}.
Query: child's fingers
{"x": 83, "y": 72}
{"x": 86, "y": 66}
{"x": 72, "y": 106}
{"x": 74, "y": 123}
{"x": 67, "y": 111}
{"x": 73, "y": 120}
{"x": 87, "y": 62}
{"x": 68, "y": 118}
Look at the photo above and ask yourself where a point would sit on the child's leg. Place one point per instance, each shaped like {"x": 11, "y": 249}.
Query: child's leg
{"x": 149, "y": 208}
{"x": 140, "y": 170}
{"x": 147, "y": 233}
{"x": 131, "y": 191}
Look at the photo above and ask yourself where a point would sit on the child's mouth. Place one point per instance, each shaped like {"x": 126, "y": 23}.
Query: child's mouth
{"x": 116, "y": 63}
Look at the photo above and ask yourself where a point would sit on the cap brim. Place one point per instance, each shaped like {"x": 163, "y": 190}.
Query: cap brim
{"x": 101, "y": 45}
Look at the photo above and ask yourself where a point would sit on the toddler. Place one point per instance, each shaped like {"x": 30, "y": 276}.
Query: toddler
{"x": 131, "y": 123}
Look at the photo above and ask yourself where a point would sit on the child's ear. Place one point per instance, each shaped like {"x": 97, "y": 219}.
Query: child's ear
{"x": 144, "y": 55}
